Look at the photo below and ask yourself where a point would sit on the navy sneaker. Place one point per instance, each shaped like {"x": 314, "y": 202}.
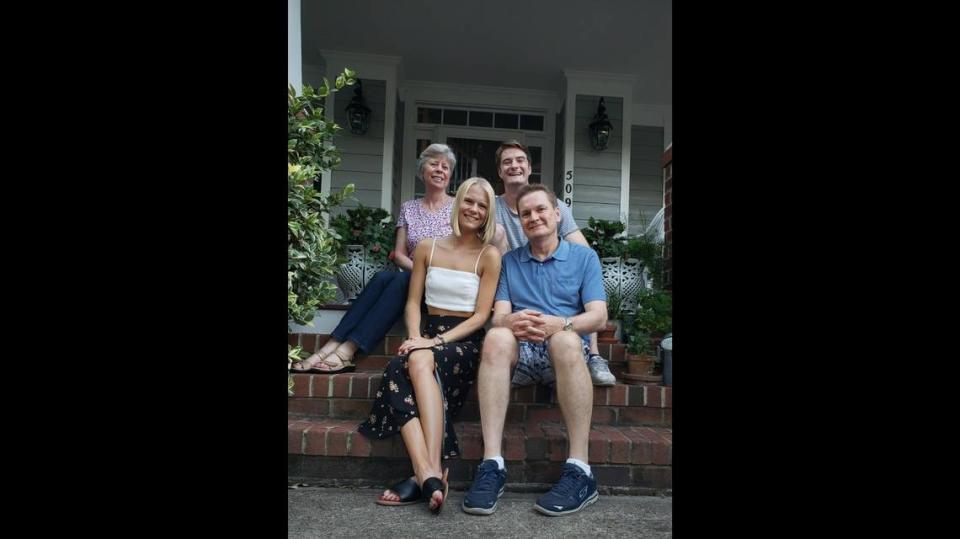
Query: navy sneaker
{"x": 573, "y": 492}
{"x": 486, "y": 489}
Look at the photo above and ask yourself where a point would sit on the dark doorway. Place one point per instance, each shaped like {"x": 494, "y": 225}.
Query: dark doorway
{"x": 475, "y": 157}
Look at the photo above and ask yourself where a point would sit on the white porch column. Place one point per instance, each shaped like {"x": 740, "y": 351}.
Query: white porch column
{"x": 294, "y": 56}
{"x": 569, "y": 135}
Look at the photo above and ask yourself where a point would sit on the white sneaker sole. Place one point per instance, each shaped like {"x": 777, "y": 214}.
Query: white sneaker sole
{"x": 588, "y": 501}
{"x": 480, "y": 510}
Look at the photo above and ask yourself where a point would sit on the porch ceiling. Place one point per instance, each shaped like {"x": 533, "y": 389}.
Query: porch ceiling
{"x": 509, "y": 43}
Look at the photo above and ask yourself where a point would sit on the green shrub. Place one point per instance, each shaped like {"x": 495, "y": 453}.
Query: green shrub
{"x": 605, "y": 237}
{"x": 645, "y": 249}
{"x": 311, "y": 242}
{"x": 654, "y": 312}
{"x": 639, "y": 344}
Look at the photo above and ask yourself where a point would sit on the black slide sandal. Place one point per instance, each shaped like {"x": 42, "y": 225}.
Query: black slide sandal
{"x": 433, "y": 484}
{"x": 408, "y": 491}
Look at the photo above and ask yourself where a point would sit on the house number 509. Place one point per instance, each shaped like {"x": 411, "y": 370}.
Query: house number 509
{"x": 568, "y": 189}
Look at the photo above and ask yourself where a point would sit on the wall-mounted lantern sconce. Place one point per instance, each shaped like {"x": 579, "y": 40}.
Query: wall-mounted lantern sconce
{"x": 600, "y": 128}
{"x": 358, "y": 113}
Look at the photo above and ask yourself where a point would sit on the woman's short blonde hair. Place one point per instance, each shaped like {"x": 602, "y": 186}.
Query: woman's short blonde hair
{"x": 489, "y": 226}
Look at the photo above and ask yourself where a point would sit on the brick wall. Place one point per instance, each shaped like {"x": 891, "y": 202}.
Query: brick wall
{"x": 668, "y": 217}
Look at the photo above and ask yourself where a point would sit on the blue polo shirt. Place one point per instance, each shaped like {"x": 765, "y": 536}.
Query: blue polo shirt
{"x": 560, "y": 285}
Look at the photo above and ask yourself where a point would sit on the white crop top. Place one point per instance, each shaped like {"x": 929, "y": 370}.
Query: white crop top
{"x": 451, "y": 289}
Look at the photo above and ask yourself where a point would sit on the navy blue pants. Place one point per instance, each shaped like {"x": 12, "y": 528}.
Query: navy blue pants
{"x": 375, "y": 310}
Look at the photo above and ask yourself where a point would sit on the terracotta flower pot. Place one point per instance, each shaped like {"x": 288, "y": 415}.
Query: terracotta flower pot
{"x": 608, "y": 335}
{"x": 639, "y": 364}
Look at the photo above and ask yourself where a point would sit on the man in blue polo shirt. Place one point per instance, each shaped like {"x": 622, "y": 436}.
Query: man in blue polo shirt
{"x": 549, "y": 296}
{"x": 514, "y": 169}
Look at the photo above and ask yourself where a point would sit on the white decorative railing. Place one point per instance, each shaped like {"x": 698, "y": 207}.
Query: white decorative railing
{"x": 624, "y": 277}
{"x": 356, "y": 272}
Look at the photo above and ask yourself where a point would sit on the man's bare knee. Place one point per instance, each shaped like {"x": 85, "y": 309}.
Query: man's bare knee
{"x": 565, "y": 347}
{"x": 499, "y": 337}
{"x": 565, "y": 340}
{"x": 499, "y": 346}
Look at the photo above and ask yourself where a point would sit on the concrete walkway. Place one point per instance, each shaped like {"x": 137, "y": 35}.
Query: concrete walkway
{"x": 346, "y": 512}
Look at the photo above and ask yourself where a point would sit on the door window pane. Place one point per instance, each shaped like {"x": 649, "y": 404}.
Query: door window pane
{"x": 481, "y": 119}
{"x": 505, "y": 121}
{"x": 531, "y": 123}
{"x": 454, "y": 117}
{"x": 428, "y": 115}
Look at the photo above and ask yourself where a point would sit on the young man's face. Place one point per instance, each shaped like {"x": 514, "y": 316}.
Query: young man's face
{"x": 538, "y": 216}
{"x": 514, "y": 167}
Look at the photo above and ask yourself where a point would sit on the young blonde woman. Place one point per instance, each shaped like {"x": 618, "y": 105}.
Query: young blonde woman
{"x": 425, "y": 386}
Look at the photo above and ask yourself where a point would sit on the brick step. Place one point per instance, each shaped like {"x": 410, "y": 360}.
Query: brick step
{"x": 376, "y": 363}
{"x": 364, "y": 385}
{"x": 332, "y": 452}
{"x": 351, "y": 395}
{"x": 358, "y": 409}
{"x": 311, "y": 342}
{"x": 378, "y": 357}
{"x": 372, "y": 363}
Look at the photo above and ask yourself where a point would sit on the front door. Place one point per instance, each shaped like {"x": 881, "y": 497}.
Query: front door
{"x": 476, "y": 156}
{"x": 475, "y": 146}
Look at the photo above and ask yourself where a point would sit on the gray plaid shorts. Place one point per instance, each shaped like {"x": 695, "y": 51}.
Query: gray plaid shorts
{"x": 534, "y": 365}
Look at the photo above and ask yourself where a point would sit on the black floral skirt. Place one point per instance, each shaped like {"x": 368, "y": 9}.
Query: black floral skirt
{"x": 456, "y": 371}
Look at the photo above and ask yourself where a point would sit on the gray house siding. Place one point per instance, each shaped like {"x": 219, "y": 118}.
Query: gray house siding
{"x": 362, "y": 155}
{"x": 558, "y": 149}
{"x": 646, "y": 181}
{"x": 596, "y": 177}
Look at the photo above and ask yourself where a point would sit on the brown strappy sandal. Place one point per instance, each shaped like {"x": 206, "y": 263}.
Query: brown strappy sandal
{"x": 338, "y": 366}
{"x": 306, "y": 365}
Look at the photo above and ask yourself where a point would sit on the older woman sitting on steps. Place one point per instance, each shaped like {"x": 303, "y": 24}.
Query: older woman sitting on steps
{"x": 381, "y": 303}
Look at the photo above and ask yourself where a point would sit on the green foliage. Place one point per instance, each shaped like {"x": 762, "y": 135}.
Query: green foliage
{"x": 614, "y": 304}
{"x": 308, "y": 130}
{"x": 605, "y": 237}
{"x": 608, "y": 239}
{"x": 650, "y": 253}
{"x": 370, "y": 227}
{"x": 294, "y": 353}
{"x": 639, "y": 344}
{"x": 654, "y": 312}
{"x": 311, "y": 242}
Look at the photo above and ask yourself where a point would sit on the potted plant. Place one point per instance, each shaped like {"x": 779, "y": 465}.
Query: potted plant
{"x": 652, "y": 318}
{"x": 653, "y": 314}
{"x": 628, "y": 262}
{"x": 605, "y": 237}
{"x": 645, "y": 249}
{"x": 639, "y": 354}
{"x": 612, "y": 331}
{"x": 366, "y": 235}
